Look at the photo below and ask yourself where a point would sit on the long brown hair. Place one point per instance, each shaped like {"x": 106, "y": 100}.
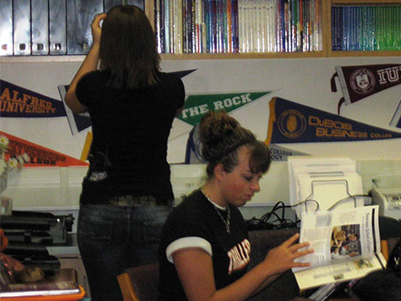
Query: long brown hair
{"x": 128, "y": 48}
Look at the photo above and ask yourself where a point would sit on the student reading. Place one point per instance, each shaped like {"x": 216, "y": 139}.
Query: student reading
{"x": 204, "y": 249}
{"x": 126, "y": 194}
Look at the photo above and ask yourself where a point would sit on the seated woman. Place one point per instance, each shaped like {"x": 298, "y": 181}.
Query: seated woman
{"x": 204, "y": 250}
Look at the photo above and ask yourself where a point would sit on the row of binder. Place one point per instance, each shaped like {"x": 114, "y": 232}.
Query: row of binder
{"x": 50, "y": 27}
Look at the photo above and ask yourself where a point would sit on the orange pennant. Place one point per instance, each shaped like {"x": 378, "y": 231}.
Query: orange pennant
{"x": 39, "y": 156}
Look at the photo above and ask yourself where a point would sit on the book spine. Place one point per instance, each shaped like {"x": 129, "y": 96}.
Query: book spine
{"x": 179, "y": 47}
{"x": 173, "y": 28}
{"x": 235, "y": 26}
{"x": 286, "y": 27}
{"x": 171, "y": 25}
{"x": 265, "y": 26}
{"x": 373, "y": 27}
{"x": 158, "y": 25}
{"x": 213, "y": 30}
{"x": 274, "y": 31}
{"x": 206, "y": 15}
{"x": 385, "y": 32}
{"x": 340, "y": 36}
{"x": 229, "y": 25}
{"x": 319, "y": 20}
{"x": 364, "y": 25}
{"x": 270, "y": 26}
{"x": 281, "y": 27}
{"x": 360, "y": 27}
{"x": 378, "y": 28}
{"x": 198, "y": 26}
{"x": 185, "y": 29}
{"x": 334, "y": 28}
{"x": 167, "y": 21}
{"x": 219, "y": 27}
{"x": 300, "y": 39}
{"x": 352, "y": 25}
{"x": 241, "y": 26}
{"x": 345, "y": 30}
{"x": 305, "y": 26}
{"x": 397, "y": 27}
{"x": 224, "y": 26}
{"x": 193, "y": 30}
{"x": 294, "y": 22}
{"x": 245, "y": 26}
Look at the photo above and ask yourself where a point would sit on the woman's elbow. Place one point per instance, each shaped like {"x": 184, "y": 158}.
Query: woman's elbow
{"x": 72, "y": 102}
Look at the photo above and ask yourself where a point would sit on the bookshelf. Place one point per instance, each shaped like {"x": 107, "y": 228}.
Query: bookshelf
{"x": 324, "y": 48}
{"x": 326, "y": 44}
{"x": 376, "y": 25}
{"x": 239, "y": 28}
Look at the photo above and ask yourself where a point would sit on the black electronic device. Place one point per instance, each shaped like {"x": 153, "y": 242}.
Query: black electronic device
{"x": 30, "y": 232}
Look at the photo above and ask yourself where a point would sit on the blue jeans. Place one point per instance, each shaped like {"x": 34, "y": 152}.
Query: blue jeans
{"x": 112, "y": 238}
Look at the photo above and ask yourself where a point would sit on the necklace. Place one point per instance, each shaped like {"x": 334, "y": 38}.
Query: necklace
{"x": 226, "y": 222}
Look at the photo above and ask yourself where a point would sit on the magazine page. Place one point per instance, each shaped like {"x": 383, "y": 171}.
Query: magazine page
{"x": 346, "y": 245}
{"x": 340, "y": 234}
{"x": 354, "y": 268}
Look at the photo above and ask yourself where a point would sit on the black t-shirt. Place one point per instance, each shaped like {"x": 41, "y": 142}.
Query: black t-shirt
{"x": 195, "y": 222}
{"x": 130, "y": 133}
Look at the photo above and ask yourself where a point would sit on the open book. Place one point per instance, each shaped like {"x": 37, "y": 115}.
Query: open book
{"x": 346, "y": 245}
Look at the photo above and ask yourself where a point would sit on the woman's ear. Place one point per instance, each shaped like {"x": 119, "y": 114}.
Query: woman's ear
{"x": 219, "y": 171}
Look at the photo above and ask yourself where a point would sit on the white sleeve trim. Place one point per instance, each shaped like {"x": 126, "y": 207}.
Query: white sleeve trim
{"x": 188, "y": 242}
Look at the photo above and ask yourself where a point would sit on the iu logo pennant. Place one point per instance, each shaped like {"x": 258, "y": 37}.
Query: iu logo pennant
{"x": 358, "y": 82}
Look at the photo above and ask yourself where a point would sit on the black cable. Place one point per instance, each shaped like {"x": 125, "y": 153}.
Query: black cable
{"x": 347, "y": 198}
{"x": 280, "y": 220}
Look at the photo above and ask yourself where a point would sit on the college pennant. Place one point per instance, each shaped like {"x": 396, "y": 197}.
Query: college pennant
{"x": 279, "y": 153}
{"x": 198, "y": 105}
{"x": 77, "y": 122}
{"x": 39, "y": 156}
{"x": 358, "y": 82}
{"x": 193, "y": 152}
{"x": 16, "y": 101}
{"x": 291, "y": 122}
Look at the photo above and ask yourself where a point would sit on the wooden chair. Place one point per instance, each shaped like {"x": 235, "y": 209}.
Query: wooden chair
{"x": 140, "y": 283}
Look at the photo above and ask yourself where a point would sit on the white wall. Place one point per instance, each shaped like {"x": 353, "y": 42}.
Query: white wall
{"x": 306, "y": 81}
{"x": 57, "y": 188}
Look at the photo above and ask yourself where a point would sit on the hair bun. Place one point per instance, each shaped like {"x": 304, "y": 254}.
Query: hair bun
{"x": 216, "y": 125}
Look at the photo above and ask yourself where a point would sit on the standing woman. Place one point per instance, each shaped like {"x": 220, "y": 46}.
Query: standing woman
{"x": 126, "y": 194}
{"x": 204, "y": 250}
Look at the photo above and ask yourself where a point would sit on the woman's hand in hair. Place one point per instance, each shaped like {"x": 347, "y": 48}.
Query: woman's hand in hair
{"x": 282, "y": 257}
{"x": 96, "y": 27}
{"x": 89, "y": 64}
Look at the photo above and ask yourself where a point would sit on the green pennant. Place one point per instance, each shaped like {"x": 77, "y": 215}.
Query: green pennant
{"x": 198, "y": 105}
